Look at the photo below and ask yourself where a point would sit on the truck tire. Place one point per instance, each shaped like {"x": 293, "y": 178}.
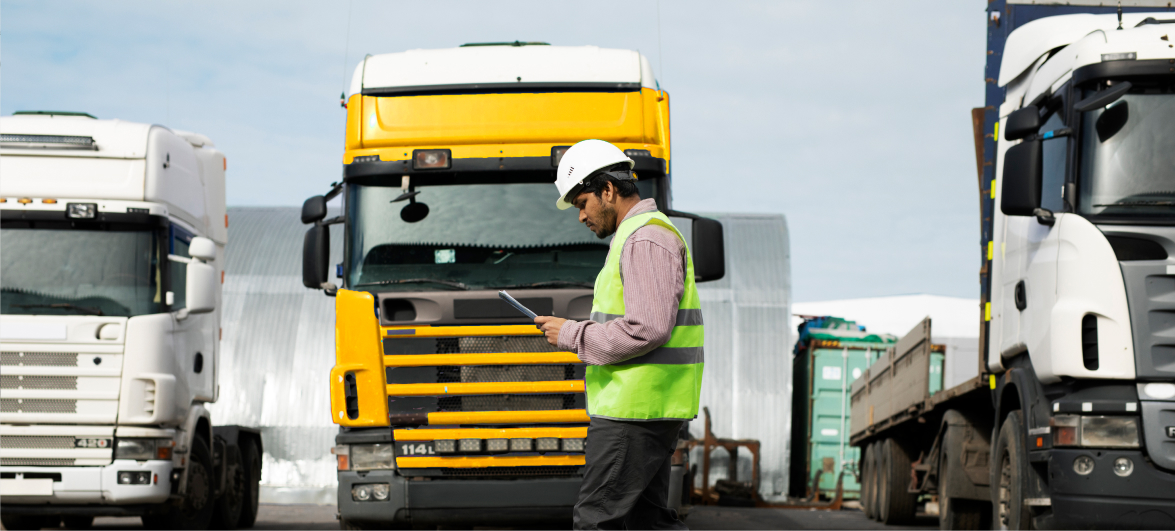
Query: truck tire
{"x": 875, "y": 479}
{"x": 226, "y": 512}
{"x": 251, "y": 464}
{"x": 195, "y": 512}
{"x": 1009, "y": 479}
{"x": 867, "y": 468}
{"x": 956, "y": 513}
{"x": 898, "y": 505}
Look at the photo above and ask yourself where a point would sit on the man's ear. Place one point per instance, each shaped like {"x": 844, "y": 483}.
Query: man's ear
{"x": 608, "y": 192}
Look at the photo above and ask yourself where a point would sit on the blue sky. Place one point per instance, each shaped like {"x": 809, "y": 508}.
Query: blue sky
{"x": 850, "y": 118}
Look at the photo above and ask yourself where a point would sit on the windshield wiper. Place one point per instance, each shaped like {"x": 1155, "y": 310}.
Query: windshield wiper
{"x": 63, "y": 306}
{"x": 567, "y": 283}
{"x": 450, "y": 283}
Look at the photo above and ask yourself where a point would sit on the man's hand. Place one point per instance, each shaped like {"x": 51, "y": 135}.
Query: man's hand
{"x": 551, "y": 327}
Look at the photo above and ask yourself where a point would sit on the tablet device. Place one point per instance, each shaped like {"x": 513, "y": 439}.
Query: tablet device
{"x": 517, "y": 305}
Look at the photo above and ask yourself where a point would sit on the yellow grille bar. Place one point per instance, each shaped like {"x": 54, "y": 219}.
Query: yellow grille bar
{"x": 489, "y": 433}
{"x": 459, "y": 331}
{"x": 487, "y": 461}
{"x": 485, "y": 388}
{"x": 518, "y": 358}
{"x": 556, "y": 416}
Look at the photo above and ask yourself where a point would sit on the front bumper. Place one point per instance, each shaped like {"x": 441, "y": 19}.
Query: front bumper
{"x": 1143, "y": 500}
{"x": 460, "y": 501}
{"x": 96, "y": 485}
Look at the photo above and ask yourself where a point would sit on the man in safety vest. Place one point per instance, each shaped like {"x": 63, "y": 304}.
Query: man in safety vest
{"x": 643, "y": 344}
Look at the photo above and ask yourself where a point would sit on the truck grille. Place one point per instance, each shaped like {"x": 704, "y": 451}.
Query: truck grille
{"x": 39, "y": 359}
{"x": 496, "y": 344}
{"x": 509, "y": 402}
{"x": 35, "y": 461}
{"x": 37, "y": 441}
{"x": 9, "y": 381}
{"x": 37, "y": 405}
{"x": 506, "y": 373}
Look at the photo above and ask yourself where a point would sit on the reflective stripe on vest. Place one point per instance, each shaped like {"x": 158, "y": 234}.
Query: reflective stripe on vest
{"x": 666, "y": 382}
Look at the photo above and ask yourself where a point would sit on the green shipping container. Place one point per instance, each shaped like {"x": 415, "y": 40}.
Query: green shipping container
{"x": 830, "y": 354}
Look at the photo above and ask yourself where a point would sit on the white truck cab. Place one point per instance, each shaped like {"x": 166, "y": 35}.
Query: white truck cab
{"x": 1082, "y": 301}
{"x": 113, "y": 243}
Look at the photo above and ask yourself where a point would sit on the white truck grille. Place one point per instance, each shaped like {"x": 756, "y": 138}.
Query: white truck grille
{"x": 36, "y": 461}
{"x": 16, "y": 381}
{"x": 38, "y": 405}
{"x": 39, "y": 359}
{"x": 37, "y": 441}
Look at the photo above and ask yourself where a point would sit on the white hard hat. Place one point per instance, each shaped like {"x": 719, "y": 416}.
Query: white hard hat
{"x": 580, "y": 162}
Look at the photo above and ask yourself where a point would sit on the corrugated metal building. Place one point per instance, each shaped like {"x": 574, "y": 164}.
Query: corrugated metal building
{"x": 747, "y": 380}
{"x": 278, "y": 348}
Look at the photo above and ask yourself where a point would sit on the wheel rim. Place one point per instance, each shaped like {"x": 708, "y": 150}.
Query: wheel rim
{"x": 197, "y": 497}
{"x": 1005, "y": 491}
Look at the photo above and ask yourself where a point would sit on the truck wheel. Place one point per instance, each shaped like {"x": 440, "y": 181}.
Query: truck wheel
{"x": 1010, "y": 477}
{"x": 874, "y": 479}
{"x": 866, "y": 479}
{"x": 251, "y": 465}
{"x": 78, "y": 522}
{"x": 227, "y": 510}
{"x": 898, "y": 505}
{"x": 955, "y": 513}
{"x": 27, "y": 521}
{"x": 195, "y": 512}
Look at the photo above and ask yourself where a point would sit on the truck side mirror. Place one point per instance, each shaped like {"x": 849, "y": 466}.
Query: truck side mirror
{"x": 314, "y": 209}
{"x": 1019, "y": 124}
{"x": 202, "y": 248}
{"x": 1022, "y": 179}
{"x": 200, "y": 287}
{"x": 709, "y": 250}
{"x": 315, "y": 254}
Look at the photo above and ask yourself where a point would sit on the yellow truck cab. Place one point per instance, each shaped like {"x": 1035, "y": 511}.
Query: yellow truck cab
{"x": 452, "y": 407}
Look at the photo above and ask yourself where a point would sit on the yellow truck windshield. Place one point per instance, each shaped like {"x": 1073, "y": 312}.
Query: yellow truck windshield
{"x": 475, "y": 236}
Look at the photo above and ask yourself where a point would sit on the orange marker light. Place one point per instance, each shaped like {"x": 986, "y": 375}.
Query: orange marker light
{"x": 49, "y": 201}
{"x": 222, "y": 276}
{"x": 225, "y": 161}
{"x": 3, "y": 199}
{"x": 1039, "y": 442}
{"x": 226, "y": 221}
{"x": 24, "y": 200}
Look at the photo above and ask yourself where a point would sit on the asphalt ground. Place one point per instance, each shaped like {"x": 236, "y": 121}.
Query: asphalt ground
{"x": 702, "y": 517}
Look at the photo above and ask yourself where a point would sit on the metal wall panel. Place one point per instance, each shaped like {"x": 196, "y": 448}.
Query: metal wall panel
{"x": 747, "y": 380}
{"x": 277, "y": 349}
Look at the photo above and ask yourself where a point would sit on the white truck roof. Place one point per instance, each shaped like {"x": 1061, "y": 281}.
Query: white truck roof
{"x": 79, "y": 157}
{"x": 522, "y": 65}
{"x": 1028, "y": 43}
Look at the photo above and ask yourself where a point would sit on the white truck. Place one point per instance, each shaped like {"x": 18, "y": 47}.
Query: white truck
{"x": 113, "y": 238}
{"x": 1070, "y": 420}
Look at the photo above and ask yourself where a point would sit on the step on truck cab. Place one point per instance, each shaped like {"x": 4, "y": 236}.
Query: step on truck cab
{"x": 1070, "y": 422}
{"x": 452, "y": 407}
{"x": 113, "y": 238}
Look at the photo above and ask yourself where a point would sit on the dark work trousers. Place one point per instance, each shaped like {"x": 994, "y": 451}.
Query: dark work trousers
{"x": 626, "y": 481}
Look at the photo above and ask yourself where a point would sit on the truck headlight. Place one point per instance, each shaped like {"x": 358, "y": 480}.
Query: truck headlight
{"x": 1094, "y": 431}
{"x": 1109, "y": 432}
{"x": 380, "y": 456}
{"x": 139, "y": 449}
{"x": 370, "y": 492}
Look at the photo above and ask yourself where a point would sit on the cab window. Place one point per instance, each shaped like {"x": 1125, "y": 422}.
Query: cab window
{"x": 180, "y": 240}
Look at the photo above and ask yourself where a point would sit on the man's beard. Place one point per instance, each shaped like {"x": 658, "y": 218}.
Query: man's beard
{"x": 607, "y": 225}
